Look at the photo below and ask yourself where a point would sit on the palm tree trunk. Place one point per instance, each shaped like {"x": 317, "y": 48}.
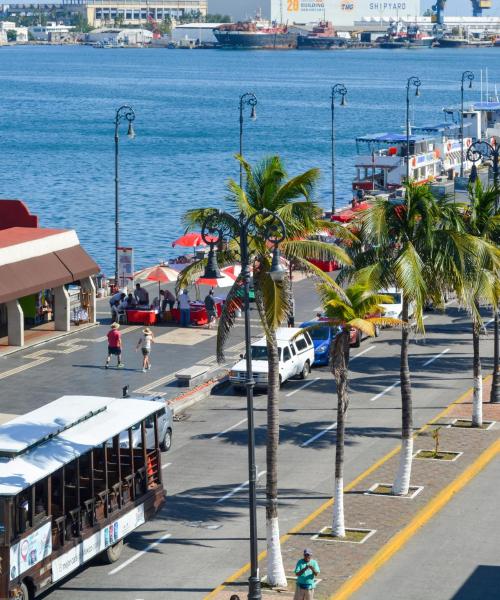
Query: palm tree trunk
{"x": 340, "y": 370}
{"x": 275, "y": 568}
{"x": 402, "y": 482}
{"x": 477, "y": 398}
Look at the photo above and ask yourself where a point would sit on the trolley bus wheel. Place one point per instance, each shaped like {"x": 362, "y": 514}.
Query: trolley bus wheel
{"x": 113, "y": 553}
{"x": 25, "y": 592}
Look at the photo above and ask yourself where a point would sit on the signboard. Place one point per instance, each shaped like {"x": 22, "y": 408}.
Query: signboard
{"x": 93, "y": 545}
{"x": 125, "y": 266}
{"x": 30, "y": 550}
{"x": 342, "y": 12}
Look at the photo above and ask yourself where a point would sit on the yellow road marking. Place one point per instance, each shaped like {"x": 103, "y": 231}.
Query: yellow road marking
{"x": 347, "y": 488}
{"x": 421, "y": 518}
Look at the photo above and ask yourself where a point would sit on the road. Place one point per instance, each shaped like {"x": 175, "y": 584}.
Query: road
{"x": 456, "y": 552}
{"x": 200, "y": 537}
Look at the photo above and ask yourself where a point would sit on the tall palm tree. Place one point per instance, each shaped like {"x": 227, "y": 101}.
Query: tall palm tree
{"x": 420, "y": 247}
{"x": 267, "y": 186}
{"x": 352, "y": 309}
{"x": 481, "y": 220}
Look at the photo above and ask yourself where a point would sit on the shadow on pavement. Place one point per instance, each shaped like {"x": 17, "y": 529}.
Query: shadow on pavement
{"x": 482, "y": 584}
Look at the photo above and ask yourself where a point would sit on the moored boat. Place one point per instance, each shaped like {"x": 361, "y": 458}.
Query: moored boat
{"x": 255, "y": 34}
{"x": 322, "y": 37}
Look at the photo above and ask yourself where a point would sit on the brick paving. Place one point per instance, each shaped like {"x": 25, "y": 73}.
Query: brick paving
{"x": 387, "y": 515}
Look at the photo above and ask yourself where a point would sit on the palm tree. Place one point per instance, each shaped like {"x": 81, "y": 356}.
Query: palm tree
{"x": 352, "y": 309}
{"x": 267, "y": 187}
{"x": 420, "y": 247}
{"x": 481, "y": 220}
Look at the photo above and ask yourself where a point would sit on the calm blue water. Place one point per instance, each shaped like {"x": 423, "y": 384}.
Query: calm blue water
{"x": 56, "y": 126}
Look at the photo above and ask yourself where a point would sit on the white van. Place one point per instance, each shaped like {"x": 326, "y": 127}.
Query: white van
{"x": 296, "y": 355}
{"x": 395, "y": 309}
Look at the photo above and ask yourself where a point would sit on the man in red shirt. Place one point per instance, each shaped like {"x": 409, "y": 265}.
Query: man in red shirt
{"x": 114, "y": 345}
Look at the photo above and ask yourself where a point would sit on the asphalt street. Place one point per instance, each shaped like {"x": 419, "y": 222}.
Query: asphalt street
{"x": 456, "y": 552}
{"x": 201, "y": 535}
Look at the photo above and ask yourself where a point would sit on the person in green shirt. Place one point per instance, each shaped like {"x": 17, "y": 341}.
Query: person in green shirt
{"x": 307, "y": 570}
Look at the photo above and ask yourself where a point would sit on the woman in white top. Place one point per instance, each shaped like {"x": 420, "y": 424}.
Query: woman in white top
{"x": 144, "y": 343}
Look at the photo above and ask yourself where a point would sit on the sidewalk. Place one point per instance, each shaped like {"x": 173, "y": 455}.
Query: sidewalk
{"x": 340, "y": 562}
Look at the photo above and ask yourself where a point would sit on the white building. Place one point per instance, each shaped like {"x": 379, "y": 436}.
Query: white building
{"x": 51, "y": 31}
{"x": 472, "y": 24}
{"x": 21, "y": 32}
{"x": 341, "y": 12}
{"x": 201, "y": 32}
{"x": 115, "y": 35}
{"x": 3, "y": 38}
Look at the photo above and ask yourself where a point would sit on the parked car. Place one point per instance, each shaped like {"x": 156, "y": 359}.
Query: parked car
{"x": 296, "y": 356}
{"x": 395, "y": 309}
{"x": 323, "y": 337}
{"x": 165, "y": 427}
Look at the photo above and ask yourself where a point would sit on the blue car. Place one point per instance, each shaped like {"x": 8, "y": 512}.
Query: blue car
{"x": 322, "y": 338}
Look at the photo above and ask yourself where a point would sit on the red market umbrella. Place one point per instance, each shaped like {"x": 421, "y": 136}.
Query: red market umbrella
{"x": 159, "y": 273}
{"x": 191, "y": 240}
{"x": 226, "y": 280}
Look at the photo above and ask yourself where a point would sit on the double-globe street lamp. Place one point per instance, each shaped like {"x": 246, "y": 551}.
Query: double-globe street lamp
{"x": 218, "y": 226}
{"x": 247, "y": 99}
{"x": 338, "y": 91}
{"x": 123, "y": 114}
{"x": 416, "y": 83}
{"x": 477, "y": 151}
{"x": 466, "y": 76}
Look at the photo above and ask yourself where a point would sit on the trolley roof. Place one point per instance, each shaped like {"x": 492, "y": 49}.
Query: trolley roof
{"x": 42, "y": 441}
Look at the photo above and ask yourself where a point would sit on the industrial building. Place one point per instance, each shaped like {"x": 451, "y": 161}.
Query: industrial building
{"x": 341, "y": 12}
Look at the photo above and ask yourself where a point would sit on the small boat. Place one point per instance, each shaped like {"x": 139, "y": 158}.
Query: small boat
{"x": 461, "y": 39}
{"x": 322, "y": 37}
{"x": 255, "y": 34}
{"x": 400, "y": 36}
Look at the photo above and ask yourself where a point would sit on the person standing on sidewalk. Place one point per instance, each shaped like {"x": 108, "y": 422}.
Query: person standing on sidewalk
{"x": 185, "y": 308}
{"x": 307, "y": 569}
{"x": 114, "y": 345}
{"x": 211, "y": 309}
{"x": 145, "y": 342}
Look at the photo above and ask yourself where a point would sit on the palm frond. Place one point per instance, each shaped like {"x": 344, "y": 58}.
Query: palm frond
{"x": 233, "y": 303}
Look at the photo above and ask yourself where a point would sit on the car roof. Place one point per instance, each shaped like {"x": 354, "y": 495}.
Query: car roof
{"x": 283, "y": 336}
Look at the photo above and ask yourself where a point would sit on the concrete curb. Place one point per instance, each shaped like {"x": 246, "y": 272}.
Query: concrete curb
{"x": 189, "y": 397}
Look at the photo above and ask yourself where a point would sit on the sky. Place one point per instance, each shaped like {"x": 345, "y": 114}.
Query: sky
{"x": 240, "y": 9}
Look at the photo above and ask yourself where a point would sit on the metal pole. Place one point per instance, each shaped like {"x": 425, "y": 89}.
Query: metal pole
{"x": 117, "y": 214}
{"x": 254, "y": 590}
{"x": 494, "y": 382}
{"x": 241, "y": 140}
{"x": 408, "y": 132}
{"x": 462, "y": 127}
{"x": 333, "y": 152}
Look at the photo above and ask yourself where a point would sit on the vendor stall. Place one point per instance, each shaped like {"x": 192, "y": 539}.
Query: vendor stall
{"x": 198, "y": 312}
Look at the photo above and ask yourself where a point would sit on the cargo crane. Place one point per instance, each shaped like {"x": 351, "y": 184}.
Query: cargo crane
{"x": 438, "y": 11}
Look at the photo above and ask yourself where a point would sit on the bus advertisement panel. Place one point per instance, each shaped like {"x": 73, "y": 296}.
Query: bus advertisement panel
{"x": 30, "y": 550}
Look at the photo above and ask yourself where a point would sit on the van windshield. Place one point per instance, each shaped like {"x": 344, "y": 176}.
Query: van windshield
{"x": 396, "y": 297}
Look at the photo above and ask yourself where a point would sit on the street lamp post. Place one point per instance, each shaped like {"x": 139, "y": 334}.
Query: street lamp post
{"x": 476, "y": 152}
{"x": 124, "y": 113}
{"x": 338, "y": 91}
{"x": 412, "y": 81}
{"x": 466, "y": 76}
{"x": 217, "y": 226}
{"x": 248, "y": 99}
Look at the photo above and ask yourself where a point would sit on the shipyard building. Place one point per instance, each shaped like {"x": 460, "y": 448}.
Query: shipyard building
{"x": 341, "y": 12}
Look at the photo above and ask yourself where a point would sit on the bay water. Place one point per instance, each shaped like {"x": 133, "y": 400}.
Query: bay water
{"x": 57, "y": 107}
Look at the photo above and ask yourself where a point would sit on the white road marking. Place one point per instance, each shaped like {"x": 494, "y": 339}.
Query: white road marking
{"x": 363, "y": 352}
{"x": 228, "y": 429}
{"x": 431, "y": 360}
{"x": 165, "y": 466}
{"x": 318, "y": 435}
{"x": 141, "y": 553}
{"x": 237, "y": 489}
{"x": 387, "y": 389}
{"x": 303, "y": 387}
{"x": 21, "y": 368}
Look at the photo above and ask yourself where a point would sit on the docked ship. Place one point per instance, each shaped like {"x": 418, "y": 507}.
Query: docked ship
{"x": 322, "y": 37}
{"x": 256, "y": 34}
{"x": 462, "y": 39}
{"x": 400, "y": 36}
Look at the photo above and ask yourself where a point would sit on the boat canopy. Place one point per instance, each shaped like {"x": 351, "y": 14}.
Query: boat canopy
{"x": 439, "y": 127}
{"x": 487, "y": 106}
{"x": 391, "y": 138}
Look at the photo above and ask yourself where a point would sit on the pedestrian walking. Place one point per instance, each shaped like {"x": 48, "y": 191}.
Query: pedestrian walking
{"x": 307, "y": 569}
{"x": 144, "y": 343}
{"x": 211, "y": 308}
{"x": 114, "y": 345}
{"x": 185, "y": 308}
{"x": 291, "y": 313}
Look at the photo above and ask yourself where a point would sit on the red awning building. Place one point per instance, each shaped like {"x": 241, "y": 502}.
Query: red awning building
{"x": 45, "y": 278}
